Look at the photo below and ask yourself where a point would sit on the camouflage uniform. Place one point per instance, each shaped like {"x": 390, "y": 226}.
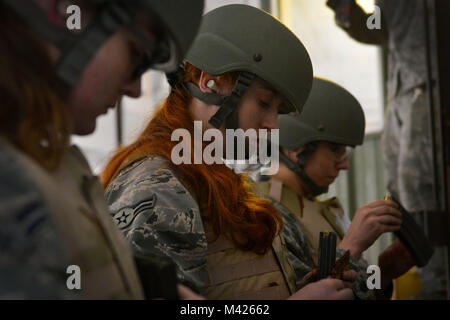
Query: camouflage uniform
{"x": 406, "y": 136}
{"x": 406, "y": 139}
{"x": 158, "y": 216}
{"x": 407, "y": 156}
{"x": 406, "y": 149}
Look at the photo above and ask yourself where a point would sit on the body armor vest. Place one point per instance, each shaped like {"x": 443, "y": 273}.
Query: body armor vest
{"x": 242, "y": 275}
{"x": 315, "y": 215}
{"x": 88, "y": 236}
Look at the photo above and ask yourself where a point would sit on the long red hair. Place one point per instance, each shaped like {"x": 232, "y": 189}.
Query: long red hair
{"x": 224, "y": 197}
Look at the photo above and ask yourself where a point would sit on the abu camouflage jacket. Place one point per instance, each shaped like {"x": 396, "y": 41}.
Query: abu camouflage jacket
{"x": 159, "y": 216}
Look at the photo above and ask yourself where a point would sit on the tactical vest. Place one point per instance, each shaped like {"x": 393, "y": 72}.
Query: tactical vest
{"x": 315, "y": 217}
{"x": 88, "y": 235}
{"x": 242, "y": 275}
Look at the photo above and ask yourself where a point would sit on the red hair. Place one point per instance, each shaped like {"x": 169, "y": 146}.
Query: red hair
{"x": 224, "y": 197}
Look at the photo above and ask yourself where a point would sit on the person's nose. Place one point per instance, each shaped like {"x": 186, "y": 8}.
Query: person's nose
{"x": 132, "y": 89}
{"x": 343, "y": 165}
{"x": 270, "y": 120}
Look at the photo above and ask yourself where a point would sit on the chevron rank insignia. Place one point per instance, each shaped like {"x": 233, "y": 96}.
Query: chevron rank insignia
{"x": 125, "y": 216}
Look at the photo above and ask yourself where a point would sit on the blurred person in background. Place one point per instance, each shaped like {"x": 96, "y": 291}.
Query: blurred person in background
{"x": 406, "y": 138}
{"x": 55, "y": 82}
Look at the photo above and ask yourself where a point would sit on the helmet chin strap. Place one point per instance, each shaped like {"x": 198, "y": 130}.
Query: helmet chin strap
{"x": 228, "y": 105}
{"x": 76, "y": 50}
{"x": 313, "y": 189}
{"x": 228, "y": 111}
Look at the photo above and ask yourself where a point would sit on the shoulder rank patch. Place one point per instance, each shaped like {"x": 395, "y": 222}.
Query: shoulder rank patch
{"x": 126, "y": 215}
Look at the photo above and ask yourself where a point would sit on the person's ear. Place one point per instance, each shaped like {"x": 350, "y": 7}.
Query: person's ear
{"x": 207, "y": 83}
{"x": 299, "y": 150}
{"x": 295, "y": 153}
{"x": 291, "y": 154}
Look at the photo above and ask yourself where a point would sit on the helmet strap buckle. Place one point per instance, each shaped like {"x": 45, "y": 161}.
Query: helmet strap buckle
{"x": 228, "y": 109}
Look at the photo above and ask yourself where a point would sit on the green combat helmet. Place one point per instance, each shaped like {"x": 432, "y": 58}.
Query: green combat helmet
{"x": 247, "y": 39}
{"x": 178, "y": 22}
{"x": 330, "y": 114}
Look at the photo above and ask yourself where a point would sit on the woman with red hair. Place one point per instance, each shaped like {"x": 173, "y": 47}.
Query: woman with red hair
{"x": 224, "y": 240}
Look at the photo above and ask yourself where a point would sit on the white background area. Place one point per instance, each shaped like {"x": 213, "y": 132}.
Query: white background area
{"x": 337, "y": 57}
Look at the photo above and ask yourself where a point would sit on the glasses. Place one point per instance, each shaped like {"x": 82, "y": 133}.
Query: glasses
{"x": 340, "y": 152}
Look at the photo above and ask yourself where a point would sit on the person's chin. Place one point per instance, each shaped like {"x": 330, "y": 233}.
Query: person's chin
{"x": 85, "y": 129}
{"x": 331, "y": 180}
